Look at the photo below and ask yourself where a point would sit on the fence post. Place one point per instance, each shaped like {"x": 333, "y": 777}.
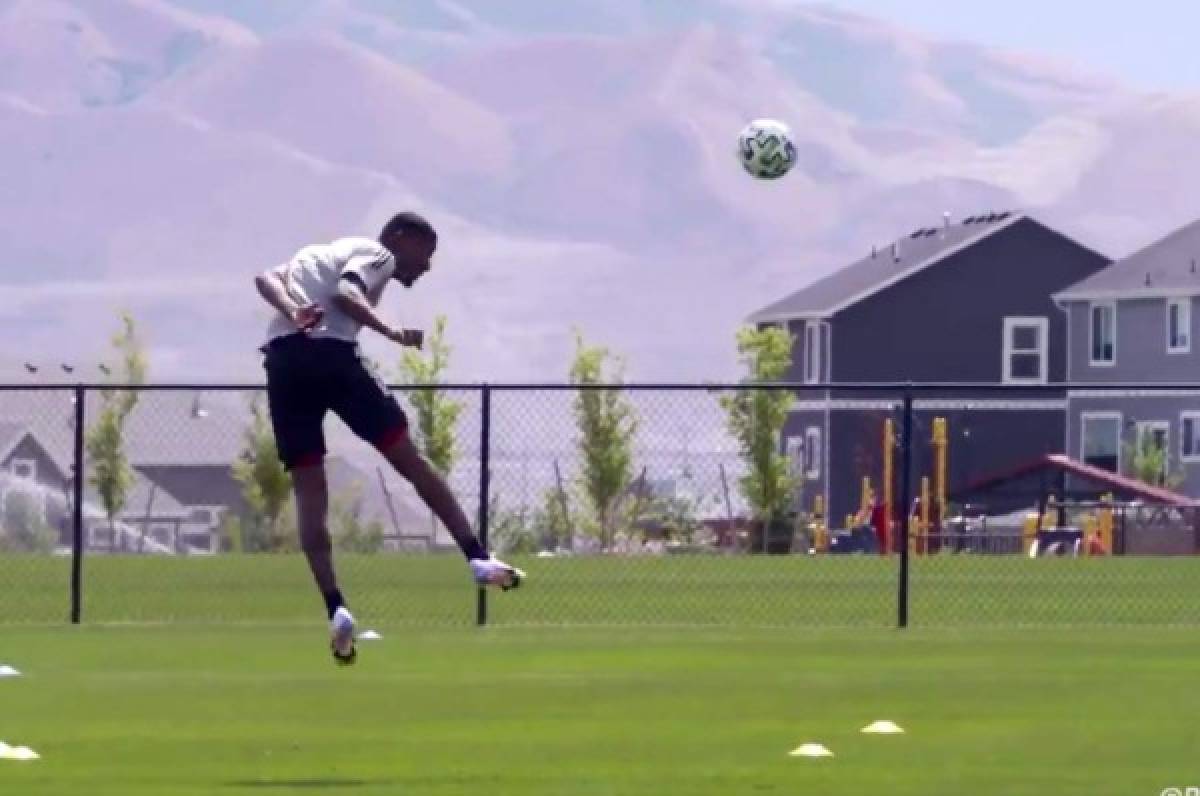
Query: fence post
{"x": 906, "y": 449}
{"x": 485, "y": 464}
{"x": 77, "y": 511}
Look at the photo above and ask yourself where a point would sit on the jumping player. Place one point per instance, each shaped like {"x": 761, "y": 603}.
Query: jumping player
{"x": 323, "y": 297}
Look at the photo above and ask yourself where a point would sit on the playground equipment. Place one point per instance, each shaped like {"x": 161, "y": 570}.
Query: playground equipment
{"x": 818, "y": 527}
{"x": 928, "y": 514}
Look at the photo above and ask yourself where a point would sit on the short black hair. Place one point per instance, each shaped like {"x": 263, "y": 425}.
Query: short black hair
{"x": 409, "y": 223}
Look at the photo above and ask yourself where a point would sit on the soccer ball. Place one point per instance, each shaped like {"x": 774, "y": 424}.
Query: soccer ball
{"x": 766, "y": 149}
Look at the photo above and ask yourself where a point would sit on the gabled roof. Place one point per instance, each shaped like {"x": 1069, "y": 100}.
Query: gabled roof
{"x": 883, "y": 268}
{"x": 144, "y": 494}
{"x": 1169, "y": 266}
{"x": 11, "y": 434}
{"x": 184, "y": 428}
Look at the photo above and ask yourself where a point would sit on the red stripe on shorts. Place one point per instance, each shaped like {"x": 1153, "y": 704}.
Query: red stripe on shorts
{"x": 392, "y": 437}
{"x": 308, "y": 460}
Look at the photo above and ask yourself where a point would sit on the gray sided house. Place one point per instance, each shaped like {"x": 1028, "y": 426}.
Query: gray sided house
{"x": 1135, "y": 323}
{"x": 33, "y": 484}
{"x": 958, "y": 302}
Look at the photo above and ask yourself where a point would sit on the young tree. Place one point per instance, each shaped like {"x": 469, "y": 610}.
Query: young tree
{"x": 437, "y": 414}
{"x": 23, "y": 528}
{"x": 266, "y": 485}
{"x": 351, "y": 532}
{"x": 1149, "y": 462}
{"x": 607, "y": 427}
{"x": 110, "y": 473}
{"x": 552, "y": 522}
{"x": 756, "y": 419}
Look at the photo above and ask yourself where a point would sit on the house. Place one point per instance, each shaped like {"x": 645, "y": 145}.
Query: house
{"x": 1135, "y": 323}
{"x": 962, "y": 302}
{"x": 29, "y": 472}
{"x": 182, "y": 446}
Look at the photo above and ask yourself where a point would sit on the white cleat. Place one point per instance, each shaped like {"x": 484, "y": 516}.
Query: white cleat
{"x": 341, "y": 637}
{"x": 494, "y": 572}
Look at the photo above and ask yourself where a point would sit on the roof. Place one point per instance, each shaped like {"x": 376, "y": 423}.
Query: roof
{"x": 1121, "y": 486}
{"x": 1169, "y": 266}
{"x": 11, "y": 434}
{"x": 883, "y": 268}
{"x": 185, "y": 428}
{"x": 143, "y": 494}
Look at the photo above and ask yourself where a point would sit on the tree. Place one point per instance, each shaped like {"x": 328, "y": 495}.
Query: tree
{"x": 350, "y": 532}
{"x": 437, "y": 415}
{"x": 508, "y": 530}
{"x": 111, "y": 475}
{"x": 552, "y": 522}
{"x": 607, "y": 427}
{"x": 266, "y": 485}
{"x": 756, "y": 418}
{"x": 23, "y": 527}
{"x": 1150, "y": 462}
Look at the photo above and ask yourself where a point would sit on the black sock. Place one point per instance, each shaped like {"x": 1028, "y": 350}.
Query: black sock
{"x": 333, "y": 601}
{"x": 473, "y": 549}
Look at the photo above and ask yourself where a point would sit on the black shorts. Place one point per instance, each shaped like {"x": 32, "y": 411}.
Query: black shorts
{"x": 306, "y": 377}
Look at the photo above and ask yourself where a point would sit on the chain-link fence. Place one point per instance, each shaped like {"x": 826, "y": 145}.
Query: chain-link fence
{"x": 631, "y": 505}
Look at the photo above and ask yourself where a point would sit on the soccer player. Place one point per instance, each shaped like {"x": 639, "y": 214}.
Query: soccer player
{"x": 323, "y": 296}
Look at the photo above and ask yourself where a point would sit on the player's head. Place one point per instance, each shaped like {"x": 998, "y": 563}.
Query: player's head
{"x": 411, "y": 240}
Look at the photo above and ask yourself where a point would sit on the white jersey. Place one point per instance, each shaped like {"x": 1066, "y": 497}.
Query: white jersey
{"x": 312, "y": 277}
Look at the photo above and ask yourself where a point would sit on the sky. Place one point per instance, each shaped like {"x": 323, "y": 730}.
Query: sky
{"x": 1150, "y": 44}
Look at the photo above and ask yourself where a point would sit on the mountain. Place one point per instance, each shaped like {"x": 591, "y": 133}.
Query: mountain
{"x": 577, "y": 156}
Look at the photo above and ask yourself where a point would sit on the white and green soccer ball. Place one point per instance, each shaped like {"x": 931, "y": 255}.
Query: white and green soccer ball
{"x": 766, "y": 149}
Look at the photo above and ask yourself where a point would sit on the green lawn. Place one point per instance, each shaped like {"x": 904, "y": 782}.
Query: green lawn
{"x": 781, "y": 591}
{"x": 211, "y": 676}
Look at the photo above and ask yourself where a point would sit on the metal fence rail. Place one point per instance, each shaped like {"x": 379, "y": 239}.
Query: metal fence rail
{"x": 908, "y": 505}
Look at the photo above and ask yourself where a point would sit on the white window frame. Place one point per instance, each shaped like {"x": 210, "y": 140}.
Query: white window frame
{"x": 29, "y": 465}
{"x": 1148, "y": 426}
{"x": 812, "y": 452}
{"x": 812, "y": 352}
{"x": 1185, "y": 416}
{"x": 1043, "y": 350}
{"x": 1101, "y": 415}
{"x": 1185, "y": 325}
{"x": 211, "y": 515}
{"x": 95, "y": 541}
{"x": 794, "y": 446}
{"x": 165, "y": 528}
{"x": 1112, "y": 307}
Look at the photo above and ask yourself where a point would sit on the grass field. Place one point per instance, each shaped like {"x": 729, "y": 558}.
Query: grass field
{"x": 222, "y": 684}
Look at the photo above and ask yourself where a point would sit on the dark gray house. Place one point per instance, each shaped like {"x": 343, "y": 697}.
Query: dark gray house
{"x": 1135, "y": 323}
{"x": 958, "y": 302}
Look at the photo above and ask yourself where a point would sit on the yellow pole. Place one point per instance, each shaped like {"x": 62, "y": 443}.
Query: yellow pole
{"x": 1105, "y": 530}
{"x": 941, "y": 440}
